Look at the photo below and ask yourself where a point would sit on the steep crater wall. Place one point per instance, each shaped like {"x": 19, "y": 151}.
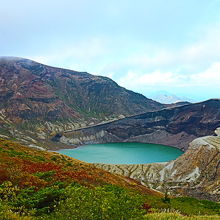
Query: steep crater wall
{"x": 196, "y": 173}
{"x": 176, "y": 127}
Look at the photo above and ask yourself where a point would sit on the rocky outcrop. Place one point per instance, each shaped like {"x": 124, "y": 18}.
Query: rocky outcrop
{"x": 176, "y": 127}
{"x": 196, "y": 173}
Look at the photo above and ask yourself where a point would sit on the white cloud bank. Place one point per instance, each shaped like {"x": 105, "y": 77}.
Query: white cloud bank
{"x": 207, "y": 78}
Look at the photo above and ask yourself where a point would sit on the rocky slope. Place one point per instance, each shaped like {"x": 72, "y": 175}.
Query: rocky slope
{"x": 43, "y": 99}
{"x": 176, "y": 127}
{"x": 196, "y": 173}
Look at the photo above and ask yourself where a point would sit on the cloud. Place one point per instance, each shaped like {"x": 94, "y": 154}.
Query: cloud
{"x": 207, "y": 78}
{"x": 201, "y": 50}
{"x": 192, "y": 68}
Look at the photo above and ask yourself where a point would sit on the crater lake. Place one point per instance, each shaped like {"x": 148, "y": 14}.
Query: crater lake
{"x": 123, "y": 153}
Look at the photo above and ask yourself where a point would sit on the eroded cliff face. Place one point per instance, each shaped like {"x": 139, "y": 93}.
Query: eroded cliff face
{"x": 176, "y": 127}
{"x": 196, "y": 173}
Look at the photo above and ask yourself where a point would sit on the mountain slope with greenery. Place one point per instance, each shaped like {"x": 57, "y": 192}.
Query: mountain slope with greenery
{"x": 37, "y": 184}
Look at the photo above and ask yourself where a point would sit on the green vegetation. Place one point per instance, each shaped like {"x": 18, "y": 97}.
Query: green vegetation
{"x": 106, "y": 202}
{"x": 43, "y": 185}
{"x": 177, "y": 216}
{"x": 192, "y": 206}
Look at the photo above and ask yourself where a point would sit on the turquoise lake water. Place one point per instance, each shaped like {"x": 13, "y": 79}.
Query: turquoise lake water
{"x": 123, "y": 153}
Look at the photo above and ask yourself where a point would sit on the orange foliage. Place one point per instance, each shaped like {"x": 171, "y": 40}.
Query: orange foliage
{"x": 33, "y": 167}
{"x": 22, "y": 166}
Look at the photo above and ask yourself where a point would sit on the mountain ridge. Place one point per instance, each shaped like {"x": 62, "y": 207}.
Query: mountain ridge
{"x": 46, "y": 77}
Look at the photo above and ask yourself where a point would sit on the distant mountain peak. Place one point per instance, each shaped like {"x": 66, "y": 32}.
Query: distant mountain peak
{"x": 168, "y": 98}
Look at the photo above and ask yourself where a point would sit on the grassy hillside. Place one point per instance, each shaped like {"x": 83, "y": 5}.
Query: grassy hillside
{"x": 38, "y": 184}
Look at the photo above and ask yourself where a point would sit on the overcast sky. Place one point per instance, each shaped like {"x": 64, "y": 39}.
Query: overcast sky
{"x": 144, "y": 45}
